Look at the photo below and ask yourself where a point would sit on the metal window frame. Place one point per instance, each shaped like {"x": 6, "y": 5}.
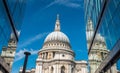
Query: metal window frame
{"x": 110, "y": 59}
{"x": 10, "y": 19}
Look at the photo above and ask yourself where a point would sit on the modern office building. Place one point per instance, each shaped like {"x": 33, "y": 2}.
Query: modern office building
{"x": 11, "y": 15}
{"x": 98, "y": 51}
{"x": 105, "y": 18}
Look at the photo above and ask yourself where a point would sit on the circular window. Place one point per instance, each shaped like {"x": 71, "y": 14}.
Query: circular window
{"x": 63, "y": 55}
{"x": 11, "y": 52}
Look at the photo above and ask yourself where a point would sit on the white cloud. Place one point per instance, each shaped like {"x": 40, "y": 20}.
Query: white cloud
{"x": 80, "y": 50}
{"x": 31, "y": 40}
{"x": 19, "y": 55}
{"x": 67, "y": 3}
{"x": 73, "y": 5}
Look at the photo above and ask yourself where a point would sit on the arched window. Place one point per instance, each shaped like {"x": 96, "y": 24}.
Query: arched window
{"x": 53, "y": 54}
{"x": 62, "y": 69}
{"x": 52, "y": 69}
{"x": 72, "y": 70}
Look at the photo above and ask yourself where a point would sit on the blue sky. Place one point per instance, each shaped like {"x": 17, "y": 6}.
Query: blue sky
{"x": 39, "y": 20}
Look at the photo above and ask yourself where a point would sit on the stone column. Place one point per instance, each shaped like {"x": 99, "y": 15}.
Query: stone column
{"x": 55, "y": 70}
{"x": 38, "y": 68}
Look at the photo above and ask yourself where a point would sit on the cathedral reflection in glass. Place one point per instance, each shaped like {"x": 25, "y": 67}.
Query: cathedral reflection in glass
{"x": 105, "y": 18}
{"x": 11, "y": 15}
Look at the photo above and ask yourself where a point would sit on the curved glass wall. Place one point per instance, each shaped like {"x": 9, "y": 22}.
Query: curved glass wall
{"x": 105, "y": 18}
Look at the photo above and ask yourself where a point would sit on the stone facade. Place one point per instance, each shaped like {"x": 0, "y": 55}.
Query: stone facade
{"x": 56, "y": 55}
{"x": 8, "y": 53}
{"x": 27, "y": 71}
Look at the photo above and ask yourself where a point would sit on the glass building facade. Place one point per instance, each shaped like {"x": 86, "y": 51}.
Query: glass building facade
{"x": 105, "y": 17}
{"x": 11, "y": 15}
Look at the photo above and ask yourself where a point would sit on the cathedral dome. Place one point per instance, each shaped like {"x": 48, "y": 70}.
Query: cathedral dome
{"x": 57, "y": 39}
{"x": 57, "y": 36}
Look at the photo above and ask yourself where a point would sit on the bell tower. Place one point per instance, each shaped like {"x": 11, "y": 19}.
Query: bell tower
{"x": 8, "y": 52}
